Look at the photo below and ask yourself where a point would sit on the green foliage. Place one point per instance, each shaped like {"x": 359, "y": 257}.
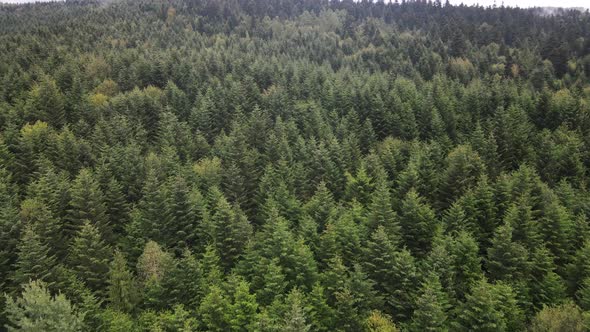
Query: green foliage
{"x": 490, "y": 307}
{"x": 37, "y": 310}
{"x": 296, "y": 165}
{"x": 122, "y": 287}
{"x": 89, "y": 257}
{"x": 566, "y": 317}
{"x": 431, "y": 307}
{"x": 33, "y": 260}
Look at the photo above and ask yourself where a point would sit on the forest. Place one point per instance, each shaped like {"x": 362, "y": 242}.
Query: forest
{"x": 293, "y": 165}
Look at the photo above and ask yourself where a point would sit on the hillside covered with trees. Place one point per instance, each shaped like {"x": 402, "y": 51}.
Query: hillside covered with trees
{"x": 293, "y": 165}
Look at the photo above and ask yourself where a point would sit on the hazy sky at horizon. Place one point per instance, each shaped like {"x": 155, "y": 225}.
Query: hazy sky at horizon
{"x": 527, "y": 3}
{"x": 512, "y": 3}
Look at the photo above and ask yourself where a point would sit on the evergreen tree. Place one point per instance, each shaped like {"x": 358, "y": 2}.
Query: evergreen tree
{"x": 489, "y": 308}
{"x": 37, "y": 310}
{"x": 87, "y": 203}
{"x": 295, "y": 319}
{"x": 89, "y": 257}
{"x": 381, "y": 212}
{"x": 507, "y": 260}
{"x": 431, "y": 307}
{"x": 231, "y": 229}
{"x": 33, "y": 260}
{"x": 418, "y": 224}
{"x": 243, "y": 309}
{"x": 215, "y": 311}
{"x": 122, "y": 287}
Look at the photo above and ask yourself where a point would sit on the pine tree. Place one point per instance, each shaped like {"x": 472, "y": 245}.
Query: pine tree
{"x": 394, "y": 273}
{"x": 321, "y": 315}
{"x": 525, "y": 229}
{"x": 321, "y": 206}
{"x": 546, "y": 286}
{"x": 117, "y": 206}
{"x": 467, "y": 263}
{"x": 243, "y": 309}
{"x": 185, "y": 280}
{"x": 271, "y": 284}
{"x": 181, "y": 229}
{"x": 463, "y": 171}
{"x": 87, "y": 203}
{"x": 507, "y": 260}
{"x": 381, "y": 212}
{"x": 37, "y": 310}
{"x": 555, "y": 225}
{"x": 431, "y": 307}
{"x": 46, "y": 103}
{"x": 49, "y": 228}
{"x": 89, "y": 257}
{"x": 231, "y": 229}
{"x": 454, "y": 219}
{"x": 359, "y": 187}
{"x": 418, "y": 224}
{"x": 152, "y": 208}
{"x": 295, "y": 319}
{"x": 34, "y": 261}
{"x": 215, "y": 311}
{"x": 488, "y": 308}
{"x": 122, "y": 286}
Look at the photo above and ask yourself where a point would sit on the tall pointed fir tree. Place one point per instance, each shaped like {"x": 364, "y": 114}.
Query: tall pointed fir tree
{"x": 418, "y": 223}
{"x": 432, "y": 305}
{"x": 87, "y": 203}
{"x": 122, "y": 287}
{"x": 33, "y": 260}
{"x": 89, "y": 257}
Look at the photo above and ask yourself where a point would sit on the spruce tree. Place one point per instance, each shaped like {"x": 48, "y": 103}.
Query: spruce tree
{"x": 33, "y": 260}
{"x": 507, "y": 260}
{"x": 36, "y": 310}
{"x": 243, "y": 309}
{"x": 295, "y": 319}
{"x": 215, "y": 311}
{"x": 431, "y": 307}
{"x": 231, "y": 229}
{"x": 418, "y": 223}
{"x": 89, "y": 257}
{"x": 122, "y": 286}
{"x": 87, "y": 203}
{"x": 381, "y": 212}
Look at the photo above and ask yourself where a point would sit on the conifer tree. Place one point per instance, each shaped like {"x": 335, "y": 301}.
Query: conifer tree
{"x": 489, "y": 308}
{"x": 466, "y": 262}
{"x": 431, "y": 307}
{"x": 215, "y": 311}
{"x": 381, "y": 212}
{"x": 33, "y": 260}
{"x": 182, "y": 219}
{"x": 89, "y": 257}
{"x": 507, "y": 260}
{"x": 295, "y": 319}
{"x": 152, "y": 207}
{"x": 37, "y": 310}
{"x": 87, "y": 203}
{"x": 418, "y": 224}
{"x": 49, "y": 228}
{"x": 185, "y": 281}
{"x": 243, "y": 309}
{"x": 231, "y": 229}
{"x": 122, "y": 286}
{"x": 321, "y": 315}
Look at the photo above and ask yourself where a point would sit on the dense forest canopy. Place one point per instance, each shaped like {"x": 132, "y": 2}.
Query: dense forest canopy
{"x": 293, "y": 165}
